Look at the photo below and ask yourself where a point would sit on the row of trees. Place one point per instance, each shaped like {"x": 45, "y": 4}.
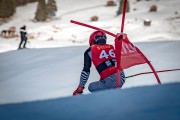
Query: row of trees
{"x": 44, "y": 10}
{"x": 8, "y": 8}
{"x": 24, "y": 2}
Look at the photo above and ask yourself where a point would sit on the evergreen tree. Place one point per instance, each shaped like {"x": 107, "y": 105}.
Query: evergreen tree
{"x": 51, "y": 8}
{"x": 7, "y": 8}
{"x": 24, "y": 2}
{"x": 121, "y": 7}
{"x": 41, "y": 13}
{"x": 2, "y": 8}
{"x": 30, "y": 1}
{"x": 21, "y": 2}
{"x": 11, "y": 6}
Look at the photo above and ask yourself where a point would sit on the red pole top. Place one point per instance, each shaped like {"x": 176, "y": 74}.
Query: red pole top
{"x": 123, "y": 16}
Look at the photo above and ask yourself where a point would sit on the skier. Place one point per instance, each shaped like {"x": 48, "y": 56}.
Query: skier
{"x": 103, "y": 57}
{"x": 23, "y": 34}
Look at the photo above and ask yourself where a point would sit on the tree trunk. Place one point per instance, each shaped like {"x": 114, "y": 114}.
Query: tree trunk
{"x": 7, "y": 8}
{"x": 121, "y": 7}
{"x": 41, "y": 13}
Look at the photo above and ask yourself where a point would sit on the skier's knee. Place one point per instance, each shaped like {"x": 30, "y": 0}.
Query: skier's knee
{"x": 90, "y": 87}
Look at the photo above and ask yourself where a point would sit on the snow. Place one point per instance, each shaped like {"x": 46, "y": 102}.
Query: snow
{"x": 60, "y": 32}
{"x": 50, "y": 68}
{"x": 143, "y": 103}
{"x": 36, "y": 74}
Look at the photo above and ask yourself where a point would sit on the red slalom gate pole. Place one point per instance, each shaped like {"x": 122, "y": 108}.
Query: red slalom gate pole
{"x": 118, "y": 53}
{"x": 123, "y": 16}
{"x": 155, "y": 73}
{"x": 90, "y": 26}
{"x": 118, "y": 44}
{"x": 150, "y": 65}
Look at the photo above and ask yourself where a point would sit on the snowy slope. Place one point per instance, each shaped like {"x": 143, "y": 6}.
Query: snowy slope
{"x": 36, "y": 74}
{"x": 161, "y": 102}
{"x": 60, "y": 32}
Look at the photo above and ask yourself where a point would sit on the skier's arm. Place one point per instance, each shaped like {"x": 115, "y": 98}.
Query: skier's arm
{"x": 86, "y": 69}
{"x": 85, "y": 73}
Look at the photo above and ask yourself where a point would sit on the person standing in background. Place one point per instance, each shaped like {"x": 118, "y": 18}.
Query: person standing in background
{"x": 23, "y": 34}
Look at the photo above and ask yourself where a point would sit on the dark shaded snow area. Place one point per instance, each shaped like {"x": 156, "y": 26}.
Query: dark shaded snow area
{"x": 160, "y": 102}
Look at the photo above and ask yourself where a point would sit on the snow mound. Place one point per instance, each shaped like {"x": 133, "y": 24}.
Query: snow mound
{"x": 160, "y": 102}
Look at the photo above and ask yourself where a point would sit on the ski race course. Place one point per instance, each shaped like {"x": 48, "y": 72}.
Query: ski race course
{"x": 37, "y": 83}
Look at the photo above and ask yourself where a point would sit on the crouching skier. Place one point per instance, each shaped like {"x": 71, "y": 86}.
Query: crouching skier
{"x": 103, "y": 57}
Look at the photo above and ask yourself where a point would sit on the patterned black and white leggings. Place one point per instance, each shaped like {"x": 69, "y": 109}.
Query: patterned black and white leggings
{"x": 107, "y": 83}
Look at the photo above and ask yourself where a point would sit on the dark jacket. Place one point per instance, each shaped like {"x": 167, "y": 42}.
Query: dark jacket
{"x": 23, "y": 33}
